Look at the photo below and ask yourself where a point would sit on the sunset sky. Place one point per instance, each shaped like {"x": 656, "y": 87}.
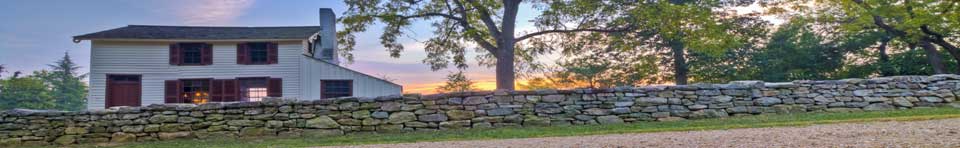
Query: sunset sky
{"x": 37, "y": 32}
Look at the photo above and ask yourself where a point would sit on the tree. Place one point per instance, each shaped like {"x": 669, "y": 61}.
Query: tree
{"x": 924, "y": 24}
{"x": 489, "y": 25}
{"x": 457, "y": 82}
{"x": 28, "y": 92}
{"x": 795, "y": 52}
{"x": 3, "y": 68}
{"x": 67, "y": 89}
{"x": 675, "y": 30}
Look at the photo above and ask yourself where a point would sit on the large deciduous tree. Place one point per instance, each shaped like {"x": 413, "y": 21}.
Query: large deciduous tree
{"x": 675, "y": 29}
{"x": 488, "y": 25}
{"x": 925, "y": 24}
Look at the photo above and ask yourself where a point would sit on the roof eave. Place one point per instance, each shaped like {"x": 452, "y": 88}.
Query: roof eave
{"x": 78, "y": 39}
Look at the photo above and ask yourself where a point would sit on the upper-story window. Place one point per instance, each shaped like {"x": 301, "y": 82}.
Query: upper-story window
{"x": 254, "y": 53}
{"x": 191, "y": 54}
{"x": 258, "y": 53}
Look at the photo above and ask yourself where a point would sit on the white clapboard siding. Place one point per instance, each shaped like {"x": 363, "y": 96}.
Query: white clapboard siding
{"x": 151, "y": 60}
{"x": 314, "y": 71}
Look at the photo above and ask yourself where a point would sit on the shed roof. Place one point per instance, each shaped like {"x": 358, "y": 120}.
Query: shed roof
{"x": 202, "y": 32}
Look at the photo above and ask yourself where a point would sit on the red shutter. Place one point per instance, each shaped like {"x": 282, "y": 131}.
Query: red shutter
{"x": 230, "y": 90}
{"x": 175, "y": 54}
{"x": 272, "y": 52}
{"x": 216, "y": 91}
{"x": 242, "y": 53}
{"x": 171, "y": 91}
{"x": 207, "y": 54}
{"x": 275, "y": 87}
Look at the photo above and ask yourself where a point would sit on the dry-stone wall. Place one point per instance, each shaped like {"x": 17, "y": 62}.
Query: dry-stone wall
{"x": 279, "y": 117}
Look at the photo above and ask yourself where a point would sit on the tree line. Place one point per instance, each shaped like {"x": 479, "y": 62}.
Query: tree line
{"x": 640, "y": 42}
{"x": 58, "y": 88}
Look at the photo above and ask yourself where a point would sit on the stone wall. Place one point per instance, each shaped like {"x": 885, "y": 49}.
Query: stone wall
{"x": 279, "y": 117}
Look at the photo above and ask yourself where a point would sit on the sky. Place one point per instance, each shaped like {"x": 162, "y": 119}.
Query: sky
{"x": 35, "y": 33}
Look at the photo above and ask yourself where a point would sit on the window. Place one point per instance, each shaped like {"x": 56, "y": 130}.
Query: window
{"x": 258, "y": 53}
{"x": 336, "y": 88}
{"x": 195, "y": 91}
{"x": 192, "y": 53}
{"x": 253, "y": 89}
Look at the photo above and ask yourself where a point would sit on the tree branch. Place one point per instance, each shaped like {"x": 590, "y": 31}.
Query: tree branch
{"x": 476, "y": 38}
{"x": 425, "y": 15}
{"x": 524, "y": 37}
{"x": 879, "y": 21}
{"x": 485, "y": 17}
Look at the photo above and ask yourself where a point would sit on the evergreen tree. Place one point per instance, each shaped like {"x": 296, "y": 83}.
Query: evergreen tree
{"x": 68, "y": 91}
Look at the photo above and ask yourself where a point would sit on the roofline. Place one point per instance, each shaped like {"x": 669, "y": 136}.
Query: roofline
{"x": 220, "y": 26}
{"x": 78, "y": 40}
{"x": 351, "y": 70}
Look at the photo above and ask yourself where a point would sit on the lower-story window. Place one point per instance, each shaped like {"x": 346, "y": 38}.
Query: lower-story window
{"x": 336, "y": 88}
{"x": 195, "y": 91}
{"x": 253, "y": 89}
{"x": 204, "y": 90}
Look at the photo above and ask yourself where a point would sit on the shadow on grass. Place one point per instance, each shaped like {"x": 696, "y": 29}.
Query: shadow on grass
{"x": 758, "y": 121}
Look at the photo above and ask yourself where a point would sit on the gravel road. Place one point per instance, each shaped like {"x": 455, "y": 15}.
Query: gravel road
{"x": 930, "y": 133}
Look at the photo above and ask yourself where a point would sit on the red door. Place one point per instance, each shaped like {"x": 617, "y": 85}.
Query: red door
{"x": 123, "y": 90}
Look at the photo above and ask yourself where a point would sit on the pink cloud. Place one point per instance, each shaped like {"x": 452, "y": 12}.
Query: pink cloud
{"x": 213, "y": 12}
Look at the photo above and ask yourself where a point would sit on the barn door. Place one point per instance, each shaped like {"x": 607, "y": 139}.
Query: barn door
{"x": 123, "y": 90}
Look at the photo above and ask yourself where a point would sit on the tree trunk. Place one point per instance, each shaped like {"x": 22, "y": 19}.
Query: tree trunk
{"x": 954, "y": 52}
{"x": 885, "y": 68}
{"x": 933, "y": 57}
{"x": 679, "y": 63}
{"x": 505, "y": 44}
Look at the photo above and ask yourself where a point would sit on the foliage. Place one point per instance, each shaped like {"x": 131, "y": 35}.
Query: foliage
{"x": 489, "y": 26}
{"x": 60, "y": 89}
{"x": 457, "y": 82}
{"x": 668, "y": 39}
{"x": 67, "y": 89}
{"x": 3, "y": 69}
{"x": 758, "y": 121}
{"x": 809, "y": 57}
{"x": 28, "y": 92}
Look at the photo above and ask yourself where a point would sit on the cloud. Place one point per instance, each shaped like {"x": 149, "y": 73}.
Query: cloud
{"x": 213, "y": 12}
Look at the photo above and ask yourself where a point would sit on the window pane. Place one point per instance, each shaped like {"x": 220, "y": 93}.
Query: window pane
{"x": 191, "y": 53}
{"x": 253, "y": 89}
{"x": 258, "y": 52}
{"x": 195, "y": 91}
{"x": 336, "y": 88}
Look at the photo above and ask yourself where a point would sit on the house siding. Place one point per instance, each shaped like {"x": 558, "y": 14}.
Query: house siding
{"x": 151, "y": 60}
{"x": 314, "y": 71}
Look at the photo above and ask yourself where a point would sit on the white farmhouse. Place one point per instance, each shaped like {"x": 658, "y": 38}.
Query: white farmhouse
{"x": 139, "y": 65}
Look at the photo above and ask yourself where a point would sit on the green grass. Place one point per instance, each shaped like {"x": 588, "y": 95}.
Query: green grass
{"x": 803, "y": 119}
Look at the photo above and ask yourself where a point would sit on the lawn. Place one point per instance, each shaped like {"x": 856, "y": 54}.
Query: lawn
{"x": 803, "y": 119}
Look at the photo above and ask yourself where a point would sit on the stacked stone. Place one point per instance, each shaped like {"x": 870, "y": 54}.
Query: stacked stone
{"x": 290, "y": 117}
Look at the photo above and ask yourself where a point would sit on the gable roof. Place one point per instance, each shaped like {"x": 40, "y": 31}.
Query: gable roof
{"x": 202, "y": 32}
